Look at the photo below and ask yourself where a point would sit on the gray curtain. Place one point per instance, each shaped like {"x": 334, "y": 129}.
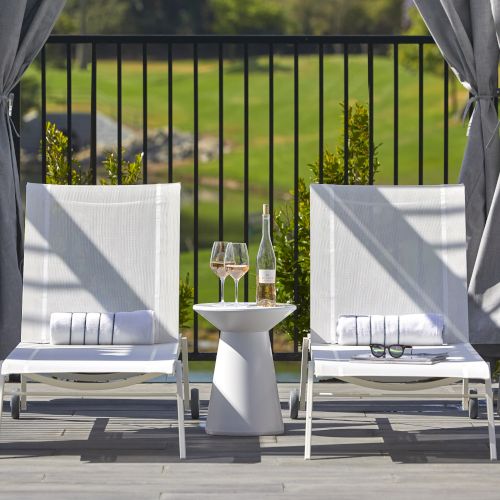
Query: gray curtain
{"x": 24, "y": 28}
{"x": 464, "y": 31}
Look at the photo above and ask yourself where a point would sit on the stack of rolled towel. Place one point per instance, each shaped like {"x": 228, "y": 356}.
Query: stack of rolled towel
{"x": 406, "y": 329}
{"x": 120, "y": 328}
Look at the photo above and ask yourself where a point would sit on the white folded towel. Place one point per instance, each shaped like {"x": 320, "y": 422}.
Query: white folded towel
{"x": 406, "y": 329}
{"x": 121, "y": 328}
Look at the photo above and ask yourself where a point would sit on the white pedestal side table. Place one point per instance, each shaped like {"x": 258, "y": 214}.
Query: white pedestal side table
{"x": 244, "y": 400}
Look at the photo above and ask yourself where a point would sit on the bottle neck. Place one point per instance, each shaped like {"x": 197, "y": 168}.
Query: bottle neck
{"x": 266, "y": 223}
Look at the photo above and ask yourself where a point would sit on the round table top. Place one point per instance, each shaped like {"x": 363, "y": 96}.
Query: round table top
{"x": 243, "y": 316}
{"x": 239, "y": 307}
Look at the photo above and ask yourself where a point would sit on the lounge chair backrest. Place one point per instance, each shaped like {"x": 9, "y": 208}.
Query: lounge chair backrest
{"x": 98, "y": 249}
{"x": 388, "y": 250}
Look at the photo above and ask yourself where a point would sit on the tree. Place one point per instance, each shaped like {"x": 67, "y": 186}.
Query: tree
{"x": 135, "y": 16}
{"x": 173, "y": 16}
{"x": 327, "y": 17}
{"x": 248, "y": 17}
{"x": 94, "y": 16}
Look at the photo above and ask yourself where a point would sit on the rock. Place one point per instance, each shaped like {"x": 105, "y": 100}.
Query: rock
{"x": 182, "y": 146}
{"x": 132, "y": 142}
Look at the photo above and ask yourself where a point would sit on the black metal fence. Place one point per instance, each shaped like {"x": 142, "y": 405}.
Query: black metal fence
{"x": 264, "y": 46}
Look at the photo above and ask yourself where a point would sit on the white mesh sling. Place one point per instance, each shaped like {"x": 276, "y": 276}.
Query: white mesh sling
{"x": 101, "y": 249}
{"x": 388, "y": 250}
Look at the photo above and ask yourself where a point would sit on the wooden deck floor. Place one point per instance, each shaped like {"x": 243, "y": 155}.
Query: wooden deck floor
{"x": 70, "y": 448}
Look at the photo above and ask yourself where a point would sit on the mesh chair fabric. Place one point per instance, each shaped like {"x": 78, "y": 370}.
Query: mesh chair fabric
{"x": 388, "y": 250}
{"x": 100, "y": 249}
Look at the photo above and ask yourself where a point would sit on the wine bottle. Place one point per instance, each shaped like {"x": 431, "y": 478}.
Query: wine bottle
{"x": 266, "y": 264}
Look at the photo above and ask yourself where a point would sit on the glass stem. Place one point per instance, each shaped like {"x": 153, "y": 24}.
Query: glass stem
{"x": 236, "y": 289}
{"x": 222, "y": 280}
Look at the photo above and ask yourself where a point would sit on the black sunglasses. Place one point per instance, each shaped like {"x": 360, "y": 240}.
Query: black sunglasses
{"x": 395, "y": 350}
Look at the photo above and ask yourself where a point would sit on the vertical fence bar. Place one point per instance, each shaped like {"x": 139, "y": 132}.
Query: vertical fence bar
{"x": 69, "y": 127}
{"x": 245, "y": 159}
{"x": 43, "y": 69}
{"x": 370, "y": 112}
{"x": 221, "y": 144}
{"x": 271, "y": 153}
{"x": 346, "y": 113}
{"x": 195, "y": 190}
{"x": 170, "y": 116}
{"x": 145, "y": 113}
{"x": 396, "y": 114}
{"x": 119, "y": 110}
{"x": 295, "y": 184}
{"x": 16, "y": 118}
{"x": 93, "y": 115}
{"x": 445, "y": 122}
{"x": 321, "y": 51}
{"x": 420, "y": 113}
{"x": 271, "y": 135}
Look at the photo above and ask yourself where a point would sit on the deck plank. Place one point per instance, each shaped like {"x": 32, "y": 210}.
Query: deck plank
{"x": 127, "y": 448}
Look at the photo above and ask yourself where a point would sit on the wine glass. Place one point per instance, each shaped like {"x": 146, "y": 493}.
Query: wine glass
{"x": 217, "y": 264}
{"x": 237, "y": 263}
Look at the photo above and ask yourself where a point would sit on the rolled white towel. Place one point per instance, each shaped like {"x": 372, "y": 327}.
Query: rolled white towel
{"x": 134, "y": 328}
{"x": 78, "y": 326}
{"x": 106, "y": 329}
{"x": 406, "y": 329}
{"x": 60, "y": 327}
{"x": 92, "y": 328}
{"x": 121, "y": 328}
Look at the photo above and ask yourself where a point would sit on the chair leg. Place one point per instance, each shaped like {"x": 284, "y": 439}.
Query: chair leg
{"x": 185, "y": 371}
{"x": 303, "y": 373}
{"x": 180, "y": 410}
{"x": 498, "y": 398}
{"x": 465, "y": 392}
{"x": 24, "y": 401}
{"x": 309, "y": 404}
{"x": 491, "y": 419}
{"x": 2, "y": 383}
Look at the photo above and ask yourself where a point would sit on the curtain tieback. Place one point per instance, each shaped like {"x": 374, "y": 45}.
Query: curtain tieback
{"x": 8, "y": 102}
{"x": 476, "y": 98}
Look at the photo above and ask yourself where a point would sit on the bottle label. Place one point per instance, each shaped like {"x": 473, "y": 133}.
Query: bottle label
{"x": 267, "y": 275}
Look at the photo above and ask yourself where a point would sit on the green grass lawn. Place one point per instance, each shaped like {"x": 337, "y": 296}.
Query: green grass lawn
{"x": 259, "y": 130}
{"x": 283, "y": 108}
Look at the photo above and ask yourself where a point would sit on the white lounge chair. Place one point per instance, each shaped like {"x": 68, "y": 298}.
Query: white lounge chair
{"x": 389, "y": 250}
{"x": 100, "y": 249}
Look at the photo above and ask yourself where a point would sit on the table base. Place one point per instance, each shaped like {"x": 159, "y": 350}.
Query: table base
{"x": 244, "y": 399}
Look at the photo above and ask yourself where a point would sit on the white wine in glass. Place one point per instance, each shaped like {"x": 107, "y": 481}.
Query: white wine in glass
{"x": 237, "y": 271}
{"x": 217, "y": 263}
{"x": 237, "y": 263}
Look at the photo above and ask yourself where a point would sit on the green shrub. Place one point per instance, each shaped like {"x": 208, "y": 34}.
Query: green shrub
{"x": 296, "y": 326}
{"x": 186, "y": 299}
{"x": 58, "y": 167}
{"x": 131, "y": 170}
{"x": 57, "y": 173}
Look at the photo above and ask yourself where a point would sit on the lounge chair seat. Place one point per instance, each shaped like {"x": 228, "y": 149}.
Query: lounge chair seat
{"x": 463, "y": 362}
{"x": 29, "y": 358}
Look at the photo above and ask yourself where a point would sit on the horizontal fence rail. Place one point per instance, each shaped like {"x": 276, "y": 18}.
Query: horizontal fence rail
{"x": 223, "y": 51}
